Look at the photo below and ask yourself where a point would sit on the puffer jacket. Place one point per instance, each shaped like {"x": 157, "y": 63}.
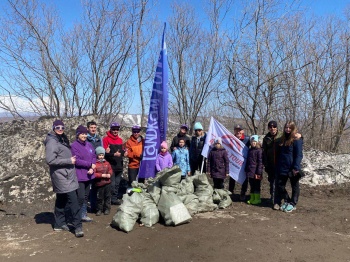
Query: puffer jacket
{"x": 254, "y": 164}
{"x": 218, "y": 163}
{"x": 58, "y": 157}
{"x": 85, "y": 157}
{"x": 134, "y": 149}
{"x": 289, "y": 157}
{"x": 163, "y": 161}
{"x": 102, "y": 167}
{"x": 269, "y": 147}
{"x": 182, "y": 159}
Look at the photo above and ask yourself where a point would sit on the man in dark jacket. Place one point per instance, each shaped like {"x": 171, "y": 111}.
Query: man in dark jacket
{"x": 113, "y": 144}
{"x": 239, "y": 133}
{"x": 183, "y": 135}
{"x": 269, "y": 154}
{"x": 196, "y": 147}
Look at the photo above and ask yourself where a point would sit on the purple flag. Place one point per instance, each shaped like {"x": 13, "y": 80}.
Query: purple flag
{"x": 157, "y": 125}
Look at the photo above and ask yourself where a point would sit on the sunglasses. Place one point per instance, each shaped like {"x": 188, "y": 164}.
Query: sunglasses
{"x": 59, "y": 127}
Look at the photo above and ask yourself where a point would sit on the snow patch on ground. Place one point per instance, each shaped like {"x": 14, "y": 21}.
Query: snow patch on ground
{"x": 325, "y": 168}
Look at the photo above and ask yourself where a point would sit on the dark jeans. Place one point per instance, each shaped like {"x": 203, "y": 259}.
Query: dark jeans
{"x": 83, "y": 192}
{"x": 93, "y": 197}
{"x": 103, "y": 197}
{"x": 281, "y": 192}
{"x": 218, "y": 183}
{"x": 255, "y": 185}
{"x": 116, "y": 192}
{"x": 197, "y": 165}
{"x": 132, "y": 175}
{"x": 271, "y": 179}
{"x": 232, "y": 183}
{"x": 67, "y": 200}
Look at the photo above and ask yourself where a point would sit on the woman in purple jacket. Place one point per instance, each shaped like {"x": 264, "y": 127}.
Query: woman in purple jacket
{"x": 254, "y": 169}
{"x": 164, "y": 159}
{"x": 84, "y": 165}
{"x": 218, "y": 164}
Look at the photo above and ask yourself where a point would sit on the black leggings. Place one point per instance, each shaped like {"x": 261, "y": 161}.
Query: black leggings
{"x": 254, "y": 185}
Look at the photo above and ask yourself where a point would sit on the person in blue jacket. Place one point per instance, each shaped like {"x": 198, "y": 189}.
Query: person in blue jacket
{"x": 181, "y": 158}
{"x": 290, "y": 154}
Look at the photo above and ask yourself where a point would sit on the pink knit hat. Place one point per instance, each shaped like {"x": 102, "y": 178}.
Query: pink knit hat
{"x": 164, "y": 144}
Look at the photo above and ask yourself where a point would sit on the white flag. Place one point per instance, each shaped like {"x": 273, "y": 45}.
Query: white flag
{"x": 237, "y": 151}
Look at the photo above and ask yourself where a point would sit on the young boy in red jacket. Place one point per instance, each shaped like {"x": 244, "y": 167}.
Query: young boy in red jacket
{"x": 103, "y": 172}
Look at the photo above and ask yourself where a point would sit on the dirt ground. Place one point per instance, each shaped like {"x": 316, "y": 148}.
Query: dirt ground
{"x": 319, "y": 230}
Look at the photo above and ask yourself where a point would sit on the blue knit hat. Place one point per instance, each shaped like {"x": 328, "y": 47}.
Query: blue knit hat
{"x": 254, "y": 138}
{"x": 198, "y": 126}
{"x": 100, "y": 150}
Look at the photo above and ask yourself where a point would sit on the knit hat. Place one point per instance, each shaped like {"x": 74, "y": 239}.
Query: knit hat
{"x": 57, "y": 122}
{"x": 238, "y": 127}
{"x": 218, "y": 141}
{"x": 164, "y": 144}
{"x": 114, "y": 125}
{"x": 254, "y": 138}
{"x": 136, "y": 128}
{"x": 272, "y": 123}
{"x": 184, "y": 126}
{"x": 81, "y": 130}
{"x": 198, "y": 126}
{"x": 100, "y": 150}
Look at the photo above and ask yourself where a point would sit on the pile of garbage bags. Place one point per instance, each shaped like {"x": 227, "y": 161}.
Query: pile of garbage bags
{"x": 166, "y": 195}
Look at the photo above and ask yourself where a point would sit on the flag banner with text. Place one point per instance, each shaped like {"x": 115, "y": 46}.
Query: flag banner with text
{"x": 237, "y": 151}
{"x": 157, "y": 125}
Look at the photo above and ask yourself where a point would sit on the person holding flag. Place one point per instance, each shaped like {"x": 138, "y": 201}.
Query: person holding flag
{"x": 239, "y": 133}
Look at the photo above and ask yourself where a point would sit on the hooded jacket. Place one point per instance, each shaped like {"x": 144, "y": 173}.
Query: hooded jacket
{"x": 254, "y": 164}
{"x": 115, "y": 143}
{"x": 85, "y": 155}
{"x": 182, "y": 159}
{"x": 163, "y": 161}
{"x": 58, "y": 157}
{"x": 134, "y": 149}
{"x": 218, "y": 163}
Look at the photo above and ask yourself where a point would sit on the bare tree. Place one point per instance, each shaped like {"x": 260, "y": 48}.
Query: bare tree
{"x": 194, "y": 63}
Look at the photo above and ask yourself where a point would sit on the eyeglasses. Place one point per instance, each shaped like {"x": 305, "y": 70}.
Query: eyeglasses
{"x": 59, "y": 127}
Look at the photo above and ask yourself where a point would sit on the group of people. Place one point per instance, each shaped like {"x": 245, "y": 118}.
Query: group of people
{"x": 90, "y": 169}
{"x": 280, "y": 153}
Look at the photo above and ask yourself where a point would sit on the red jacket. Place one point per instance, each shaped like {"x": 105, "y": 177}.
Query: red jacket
{"x": 115, "y": 143}
{"x": 102, "y": 168}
